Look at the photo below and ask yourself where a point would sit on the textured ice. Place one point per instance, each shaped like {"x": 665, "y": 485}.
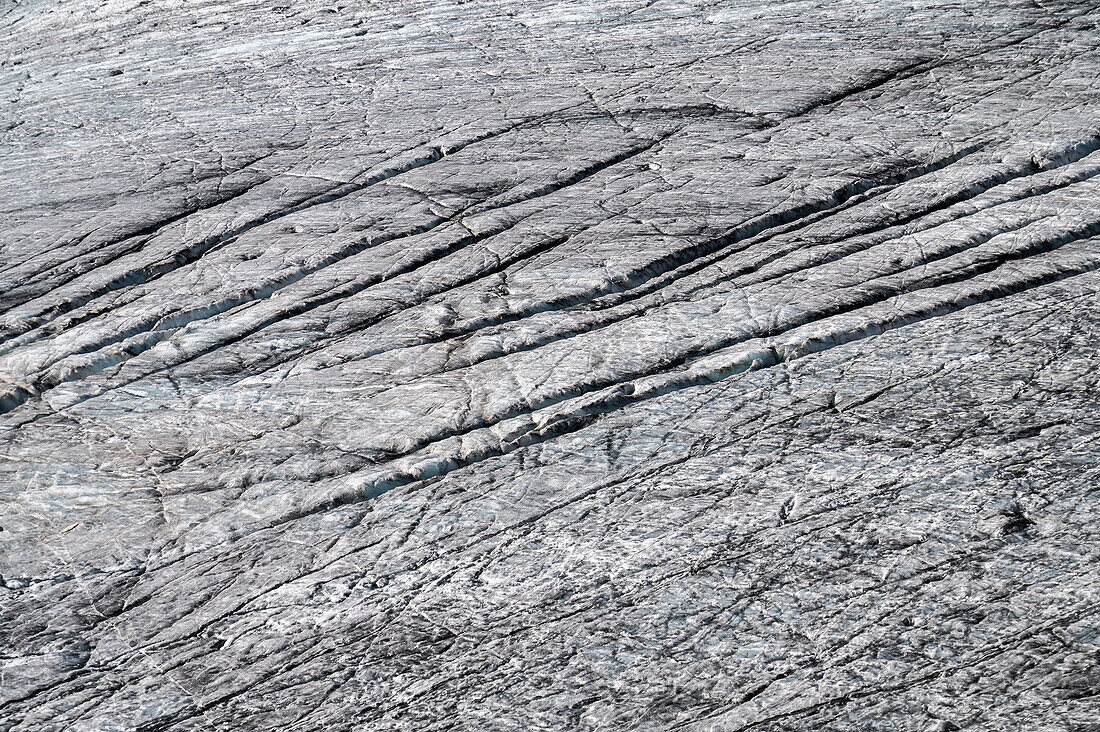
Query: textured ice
{"x": 549, "y": 365}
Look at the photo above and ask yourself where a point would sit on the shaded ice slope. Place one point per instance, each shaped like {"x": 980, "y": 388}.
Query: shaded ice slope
{"x": 549, "y": 366}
